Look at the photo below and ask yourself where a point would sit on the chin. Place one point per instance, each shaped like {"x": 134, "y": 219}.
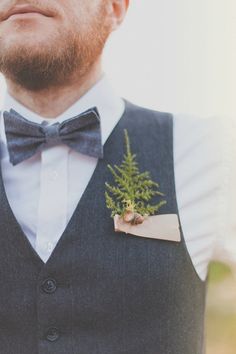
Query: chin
{"x": 37, "y": 65}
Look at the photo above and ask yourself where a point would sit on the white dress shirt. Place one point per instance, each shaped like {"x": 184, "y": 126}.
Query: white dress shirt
{"x": 44, "y": 190}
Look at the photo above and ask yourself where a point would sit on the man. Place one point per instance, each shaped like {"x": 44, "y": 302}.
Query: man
{"x": 69, "y": 282}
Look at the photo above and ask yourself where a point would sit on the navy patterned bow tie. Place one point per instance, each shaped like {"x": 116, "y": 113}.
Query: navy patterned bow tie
{"x": 25, "y": 138}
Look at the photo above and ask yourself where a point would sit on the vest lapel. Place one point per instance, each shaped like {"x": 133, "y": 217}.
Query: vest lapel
{"x": 19, "y": 240}
{"x": 15, "y": 237}
{"x": 93, "y": 198}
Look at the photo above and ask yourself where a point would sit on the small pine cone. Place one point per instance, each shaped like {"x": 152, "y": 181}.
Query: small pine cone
{"x": 138, "y": 219}
{"x": 128, "y": 216}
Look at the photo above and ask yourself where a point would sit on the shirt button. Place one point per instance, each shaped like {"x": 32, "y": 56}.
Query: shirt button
{"x": 49, "y": 286}
{"x": 52, "y": 334}
{"x": 49, "y": 246}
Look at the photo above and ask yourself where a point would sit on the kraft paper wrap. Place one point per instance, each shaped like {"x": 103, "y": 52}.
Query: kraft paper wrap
{"x": 163, "y": 227}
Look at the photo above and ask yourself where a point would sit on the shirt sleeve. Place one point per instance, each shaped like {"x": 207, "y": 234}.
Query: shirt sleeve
{"x": 198, "y": 178}
{"x": 225, "y": 244}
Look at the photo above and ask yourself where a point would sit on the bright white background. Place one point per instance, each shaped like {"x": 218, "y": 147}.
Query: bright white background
{"x": 177, "y": 56}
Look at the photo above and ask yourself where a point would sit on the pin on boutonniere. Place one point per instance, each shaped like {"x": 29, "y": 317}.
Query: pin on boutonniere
{"x": 129, "y": 200}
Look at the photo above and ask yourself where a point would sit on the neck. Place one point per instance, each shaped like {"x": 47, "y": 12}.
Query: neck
{"x": 53, "y": 101}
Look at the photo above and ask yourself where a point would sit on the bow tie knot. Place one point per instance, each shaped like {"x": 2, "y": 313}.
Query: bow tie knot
{"x": 52, "y": 133}
{"x": 25, "y": 138}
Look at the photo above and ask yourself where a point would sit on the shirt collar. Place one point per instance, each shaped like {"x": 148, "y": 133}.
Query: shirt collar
{"x": 110, "y": 107}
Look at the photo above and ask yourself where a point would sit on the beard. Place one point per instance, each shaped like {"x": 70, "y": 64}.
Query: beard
{"x": 55, "y": 61}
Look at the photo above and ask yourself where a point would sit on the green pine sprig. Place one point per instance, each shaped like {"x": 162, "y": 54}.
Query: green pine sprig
{"x": 133, "y": 190}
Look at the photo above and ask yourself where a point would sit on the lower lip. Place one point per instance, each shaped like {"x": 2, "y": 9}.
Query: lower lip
{"x": 25, "y": 15}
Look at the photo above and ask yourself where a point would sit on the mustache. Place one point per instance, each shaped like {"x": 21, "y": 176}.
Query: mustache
{"x": 47, "y": 8}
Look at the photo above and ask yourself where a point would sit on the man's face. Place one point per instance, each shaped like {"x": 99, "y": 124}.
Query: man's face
{"x": 44, "y": 42}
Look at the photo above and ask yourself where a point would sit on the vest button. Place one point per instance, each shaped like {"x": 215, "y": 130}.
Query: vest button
{"x": 49, "y": 286}
{"x": 52, "y": 334}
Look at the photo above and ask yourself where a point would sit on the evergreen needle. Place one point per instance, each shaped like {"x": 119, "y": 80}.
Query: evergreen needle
{"x": 133, "y": 190}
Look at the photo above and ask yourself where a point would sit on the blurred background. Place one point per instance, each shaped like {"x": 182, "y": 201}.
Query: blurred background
{"x": 179, "y": 56}
{"x": 221, "y": 310}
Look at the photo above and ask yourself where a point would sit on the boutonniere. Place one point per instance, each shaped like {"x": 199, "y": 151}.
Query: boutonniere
{"x": 129, "y": 200}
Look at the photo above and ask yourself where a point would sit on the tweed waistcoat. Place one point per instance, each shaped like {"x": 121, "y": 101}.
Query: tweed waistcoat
{"x": 104, "y": 292}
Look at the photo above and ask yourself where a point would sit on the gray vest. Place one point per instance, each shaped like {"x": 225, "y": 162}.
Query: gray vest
{"x": 103, "y": 292}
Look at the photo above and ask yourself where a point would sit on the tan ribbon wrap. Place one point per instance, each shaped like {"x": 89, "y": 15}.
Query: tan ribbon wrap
{"x": 163, "y": 227}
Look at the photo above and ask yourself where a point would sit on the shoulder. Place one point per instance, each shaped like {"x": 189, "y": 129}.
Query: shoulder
{"x": 198, "y": 142}
{"x": 197, "y": 126}
{"x": 200, "y": 139}
{"x": 147, "y": 116}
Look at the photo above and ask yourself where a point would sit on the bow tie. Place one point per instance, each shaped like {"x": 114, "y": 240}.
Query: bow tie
{"x": 25, "y": 138}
